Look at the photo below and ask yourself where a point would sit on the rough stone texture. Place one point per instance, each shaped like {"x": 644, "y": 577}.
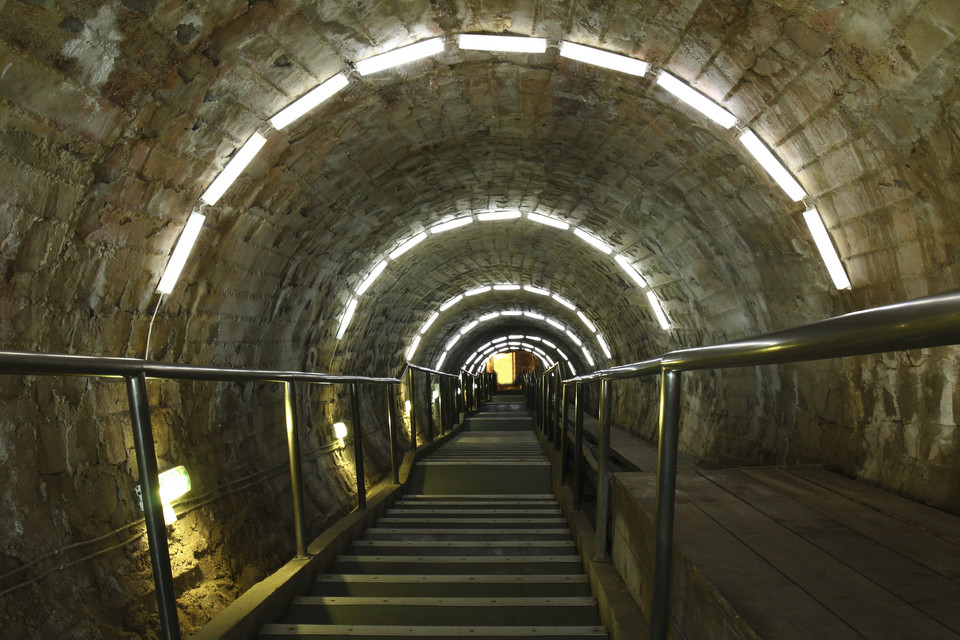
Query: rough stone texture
{"x": 114, "y": 118}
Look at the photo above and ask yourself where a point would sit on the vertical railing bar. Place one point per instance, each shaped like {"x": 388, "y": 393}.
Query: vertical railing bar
{"x": 413, "y": 410}
{"x": 152, "y": 508}
{"x": 358, "y": 445}
{"x": 296, "y": 475}
{"x": 563, "y": 434}
{"x": 666, "y": 493}
{"x": 429, "y": 404}
{"x": 557, "y": 406}
{"x": 578, "y": 447}
{"x": 392, "y": 427}
{"x": 603, "y": 471}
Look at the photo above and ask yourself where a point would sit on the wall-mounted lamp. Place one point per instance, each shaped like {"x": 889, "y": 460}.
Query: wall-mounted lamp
{"x": 174, "y": 483}
{"x": 180, "y": 253}
{"x": 340, "y": 432}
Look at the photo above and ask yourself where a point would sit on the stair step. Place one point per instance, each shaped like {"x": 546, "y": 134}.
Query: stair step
{"x": 381, "y": 632}
{"x": 443, "y": 611}
{"x": 543, "y": 586}
{"x": 478, "y": 496}
{"x": 395, "y": 512}
{"x": 447, "y": 565}
{"x": 503, "y": 502}
{"x": 379, "y": 533}
{"x": 459, "y": 548}
{"x": 470, "y": 522}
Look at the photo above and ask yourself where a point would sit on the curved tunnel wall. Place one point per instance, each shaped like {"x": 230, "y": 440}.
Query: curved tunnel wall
{"x": 116, "y": 116}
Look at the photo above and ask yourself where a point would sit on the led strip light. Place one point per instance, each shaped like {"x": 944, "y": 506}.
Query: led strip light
{"x": 624, "y": 64}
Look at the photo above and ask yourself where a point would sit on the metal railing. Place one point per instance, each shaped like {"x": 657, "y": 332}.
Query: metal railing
{"x": 135, "y": 373}
{"x": 932, "y": 321}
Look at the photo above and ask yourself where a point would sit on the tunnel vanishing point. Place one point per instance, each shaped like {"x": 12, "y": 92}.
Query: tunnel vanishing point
{"x": 637, "y": 178}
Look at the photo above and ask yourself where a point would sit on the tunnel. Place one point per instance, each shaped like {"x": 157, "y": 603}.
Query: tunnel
{"x": 637, "y": 178}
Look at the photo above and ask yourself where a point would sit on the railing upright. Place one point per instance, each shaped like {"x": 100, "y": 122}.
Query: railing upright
{"x": 431, "y": 424}
{"x": 666, "y": 496}
{"x": 152, "y": 507}
{"x": 564, "y": 446}
{"x": 413, "y": 410}
{"x": 296, "y": 476}
{"x": 392, "y": 428}
{"x": 557, "y": 407}
{"x": 578, "y": 447}
{"x": 358, "y": 446}
{"x": 603, "y": 471}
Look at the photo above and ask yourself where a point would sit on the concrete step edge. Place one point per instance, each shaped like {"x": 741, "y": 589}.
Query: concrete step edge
{"x": 410, "y": 631}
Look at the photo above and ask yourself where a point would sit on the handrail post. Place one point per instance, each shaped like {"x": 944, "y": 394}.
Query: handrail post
{"x": 431, "y": 425}
{"x": 578, "y": 447}
{"x": 666, "y": 493}
{"x": 563, "y": 435}
{"x": 413, "y": 410}
{"x": 557, "y": 407}
{"x": 358, "y": 445}
{"x": 296, "y": 476}
{"x": 442, "y": 403}
{"x": 139, "y": 405}
{"x": 603, "y": 471}
{"x": 392, "y": 427}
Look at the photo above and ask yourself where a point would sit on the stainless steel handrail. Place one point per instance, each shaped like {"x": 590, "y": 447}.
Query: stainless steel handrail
{"x": 932, "y": 321}
{"x": 135, "y": 372}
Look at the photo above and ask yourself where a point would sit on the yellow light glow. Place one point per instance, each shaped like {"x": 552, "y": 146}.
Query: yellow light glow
{"x": 339, "y": 430}
{"x": 407, "y": 406}
{"x": 173, "y": 484}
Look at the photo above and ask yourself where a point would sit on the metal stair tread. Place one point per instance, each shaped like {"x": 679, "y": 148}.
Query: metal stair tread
{"x": 367, "y": 601}
{"x": 333, "y": 630}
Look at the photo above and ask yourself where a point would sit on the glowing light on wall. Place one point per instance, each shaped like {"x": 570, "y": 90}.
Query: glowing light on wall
{"x": 506, "y": 287}
{"x": 605, "y": 59}
{"x": 492, "y": 216}
{"x": 585, "y": 320}
{"x": 233, "y": 169}
{"x": 371, "y": 277}
{"x": 593, "y": 241}
{"x": 477, "y": 291}
{"x": 400, "y": 56}
{"x": 452, "y": 301}
{"x": 772, "y": 166}
{"x": 450, "y": 224}
{"x": 347, "y": 317}
{"x": 181, "y": 251}
{"x": 697, "y": 100}
{"x": 409, "y": 244}
{"x": 827, "y": 251}
{"x": 564, "y": 302}
{"x": 309, "y": 101}
{"x": 631, "y": 271}
{"x": 413, "y": 347}
{"x": 603, "y": 345}
{"x": 505, "y": 44}
{"x": 547, "y": 220}
{"x": 658, "y": 310}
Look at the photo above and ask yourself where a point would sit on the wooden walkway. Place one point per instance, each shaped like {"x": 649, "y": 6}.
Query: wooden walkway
{"x": 801, "y": 553}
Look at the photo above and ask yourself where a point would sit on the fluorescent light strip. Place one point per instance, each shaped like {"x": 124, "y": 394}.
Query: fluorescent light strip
{"x": 697, "y": 100}
{"x": 309, "y": 101}
{"x": 531, "y": 314}
{"x": 512, "y": 312}
{"x": 347, "y": 317}
{"x": 593, "y": 241}
{"x": 547, "y": 220}
{"x": 409, "y": 244}
{"x": 377, "y": 270}
{"x": 630, "y": 271}
{"x": 586, "y": 321}
{"x": 772, "y": 165}
{"x": 477, "y": 291}
{"x": 490, "y": 216}
{"x": 603, "y": 345}
{"x": 658, "y": 310}
{"x": 516, "y": 337}
{"x": 453, "y": 341}
{"x": 443, "y": 356}
{"x": 536, "y": 290}
{"x": 450, "y": 224}
{"x": 586, "y": 354}
{"x": 413, "y": 347}
{"x": 233, "y": 169}
{"x": 469, "y": 327}
{"x": 181, "y": 251}
{"x": 490, "y": 316}
{"x": 505, "y": 44}
{"x": 574, "y": 337}
{"x": 430, "y": 321}
{"x": 506, "y": 287}
{"x": 554, "y": 323}
{"x": 604, "y": 59}
{"x": 452, "y": 301}
{"x": 565, "y": 302}
{"x": 827, "y": 251}
{"x": 400, "y": 56}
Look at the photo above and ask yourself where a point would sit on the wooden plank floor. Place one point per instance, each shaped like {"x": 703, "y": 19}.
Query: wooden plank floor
{"x": 806, "y": 553}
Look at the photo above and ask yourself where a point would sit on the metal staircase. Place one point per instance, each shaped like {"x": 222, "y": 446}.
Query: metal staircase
{"x": 477, "y": 548}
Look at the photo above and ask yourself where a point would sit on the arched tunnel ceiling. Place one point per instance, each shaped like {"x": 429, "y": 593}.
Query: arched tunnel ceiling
{"x": 166, "y": 91}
